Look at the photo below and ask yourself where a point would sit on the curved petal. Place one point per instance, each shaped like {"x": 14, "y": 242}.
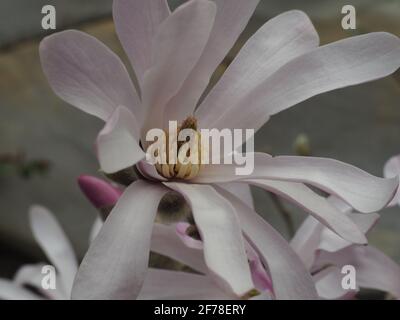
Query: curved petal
{"x": 290, "y": 278}
{"x": 231, "y": 18}
{"x": 337, "y": 65}
{"x": 115, "y": 265}
{"x": 94, "y": 231}
{"x": 374, "y": 269}
{"x": 307, "y": 239}
{"x": 328, "y": 284}
{"x": 117, "y": 147}
{"x": 85, "y": 73}
{"x": 390, "y": 170}
{"x": 331, "y": 242}
{"x": 177, "y": 46}
{"x": 279, "y": 41}
{"x": 181, "y": 231}
{"x": 165, "y": 241}
{"x": 11, "y": 291}
{"x": 317, "y": 206}
{"x": 364, "y": 192}
{"x": 55, "y": 244}
{"x": 172, "y": 285}
{"x": 220, "y": 231}
{"x": 136, "y": 22}
{"x": 240, "y": 190}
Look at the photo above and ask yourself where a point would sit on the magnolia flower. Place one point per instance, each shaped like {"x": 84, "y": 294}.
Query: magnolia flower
{"x": 325, "y": 254}
{"x": 55, "y": 244}
{"x": 173, "y": 56}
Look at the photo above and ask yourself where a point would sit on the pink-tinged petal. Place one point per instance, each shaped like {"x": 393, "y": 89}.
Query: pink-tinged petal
{"x": 307, "y": 239}
{"x": 149, "y": 171}
{"x": 328, "y": 283}
{"x": 115, "y": 265}
{"x": 177, "y": 46}
{"x": 279, "y": 41}
{"x": 259, "y": 275}
{"x": 316, "y": 205}
{"x": 173, "y": 285}
{"x": 240, "y": 190}
{"x": 136, "y": 22}
{"x": 117, "y": 146}
{"x": 31, "y": 275}
{"x": 329, "y": 241}
{"x": 221, "y": 234}
{"x": 99, "y": 192}
{"x": 165, "y": 241}
{"x": 55, "y": 244}
{"x": 364, "y": 192}
{"x": 85, "y": 73}
{"x": 231, "y": 19}
{"x": 392, "y": 169}
{"x": 181, "y": 231}
{"x": 337, "y": 65}
{"x": 374, "y": 270}
{"x": 11, "y": 291}
{"x": 290, "y": 278}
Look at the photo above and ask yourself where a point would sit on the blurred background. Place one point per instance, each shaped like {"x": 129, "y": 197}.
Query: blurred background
{"x": 46, "y": 144}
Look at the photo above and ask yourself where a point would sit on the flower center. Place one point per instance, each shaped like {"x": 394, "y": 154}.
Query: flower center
{"x": 186, "y": 144}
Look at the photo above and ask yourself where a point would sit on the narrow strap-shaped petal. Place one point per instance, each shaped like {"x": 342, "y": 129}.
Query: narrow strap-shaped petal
{"x": 374, "y": 270}
{"x": 290, "y": 278}
{"x": 316, "y": 205}
{"x": 165, "y": 241}
{"x": 172, "y": 285}
{"x": 363, "y": 191}
{"x": 231, "y": 19}
{"x": 279, "y": 41}
{"x": 177, "y": 46}
{"x": 220, "y": 231}
{"x": 85, "y": 73}
{"x": 240, "y": 190}
{"x": 117, "y": 146}
{"x": 115, "y": 265}
{"x": 55, "y": 244}
{"x": 329, "y": 284}
{"x": 337, "y": 65}
{"x": 136, "y": 22}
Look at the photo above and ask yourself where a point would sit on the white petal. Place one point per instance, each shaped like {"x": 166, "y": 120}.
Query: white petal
{"x": 279, "y": 41}
{"x": 392, "y": 169}
{"x": 232, "y": 17}
{"x": 329, "y": 284}
{"x": 220, "y": 231}
{"x": 94, "y": 231}
{"x": 136, "y": 22}
{"x": 331, "y": 242}
{"x": 172, "y": 285}
{"x": 32, "y": 275}
{"x": 240, "y": 190}
{"x": 85, "y": 73}
{"x": 364, "y": 192}
{"x": 307, "y": 239}
{"x": 115, "y": 265}
{"x": 177, "y": 46}
{"x": 165, "y": 241}
{"x": 117, "y": 147}
{"x": 11, "y": 291}
{"x": 337, "y": 65}
{"x": 316, "y": 205}
{"x": 55, "y": 244}
{"x": 290, "y": 278}
{"x": 374, "y": 270}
